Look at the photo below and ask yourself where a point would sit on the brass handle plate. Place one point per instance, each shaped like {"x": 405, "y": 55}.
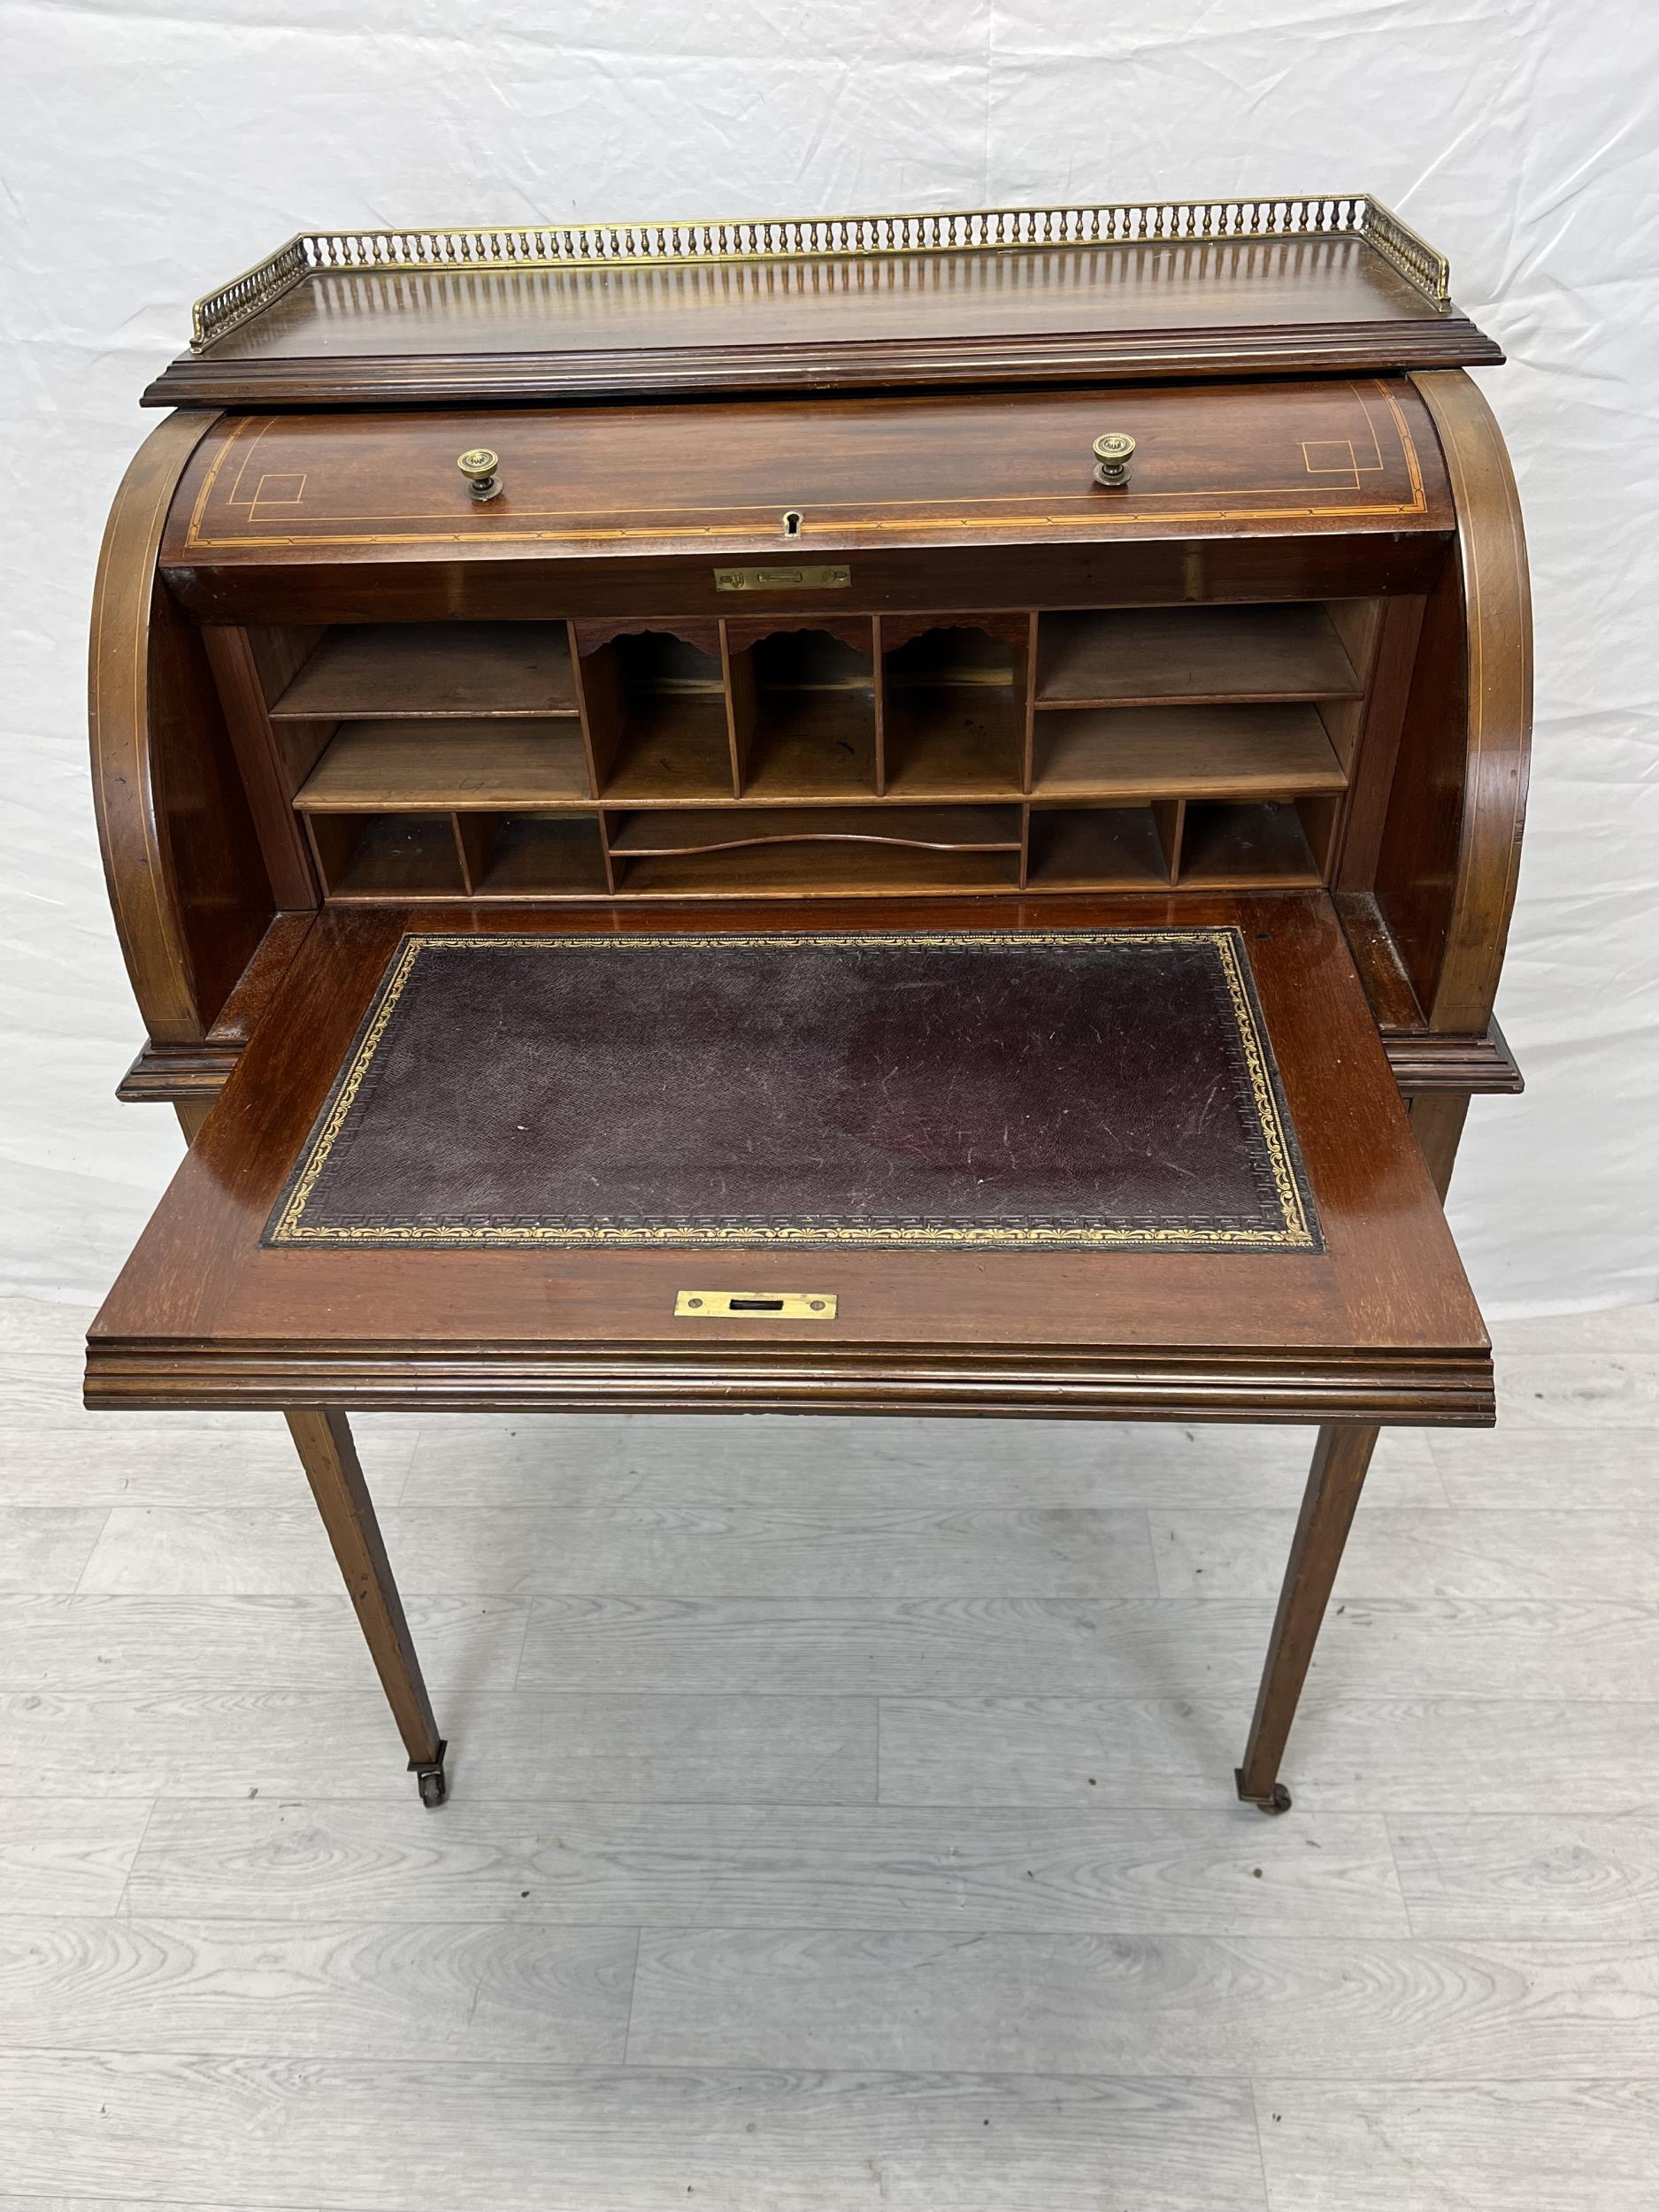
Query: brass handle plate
{"x": 478, "y": 465}
{"x": 755, "y": 1305}
{"x": 1113, "y": 452}
{"x": 821, "y": 578}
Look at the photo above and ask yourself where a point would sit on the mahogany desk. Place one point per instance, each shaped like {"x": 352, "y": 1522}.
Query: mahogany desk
{"x": 538, "y": 677}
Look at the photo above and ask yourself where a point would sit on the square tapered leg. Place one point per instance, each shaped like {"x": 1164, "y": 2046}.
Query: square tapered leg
{"x": 1338, "y": 1475}
{"x": 329, "y": 1457}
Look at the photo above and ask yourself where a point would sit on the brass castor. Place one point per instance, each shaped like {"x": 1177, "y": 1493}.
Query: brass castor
{"x": 1277, "y": 1802}
{"x": 430, "y": 1779}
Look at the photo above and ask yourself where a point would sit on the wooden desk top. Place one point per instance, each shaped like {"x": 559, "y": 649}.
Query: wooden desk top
{"x": 1282, "y": 286}
{"x": 1379, "y": 1324}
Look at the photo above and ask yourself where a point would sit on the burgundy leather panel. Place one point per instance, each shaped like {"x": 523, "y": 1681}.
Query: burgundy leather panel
{"x": 1093, "y": 1089}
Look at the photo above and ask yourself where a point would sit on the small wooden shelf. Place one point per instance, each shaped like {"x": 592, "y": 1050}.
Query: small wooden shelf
{"x": 674, "y": 751}
{"x": 387, "y": 855}
{"x": 1141, "y": 752}
{"x": 824, "y": 868}
{"x": 953, "y": 741}
{"x": 530, "y": 855}
{"x": 1131, "y": 655}
{"x": 812, "y": 746}
{"x": 1095, "y": 848}
{"x": 434, "y": 670}
{"x": 457, "y": 765}
{"x": 1243, "y": 846}
{"x": 940, "y": 829}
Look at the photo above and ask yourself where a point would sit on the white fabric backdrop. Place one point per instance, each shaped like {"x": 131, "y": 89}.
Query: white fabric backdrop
{"x": 154, "y": 147}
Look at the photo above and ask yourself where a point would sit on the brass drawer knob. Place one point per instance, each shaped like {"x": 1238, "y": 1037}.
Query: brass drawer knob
{"x": 478, "y": 466}
{"x": 1113, "y": 452}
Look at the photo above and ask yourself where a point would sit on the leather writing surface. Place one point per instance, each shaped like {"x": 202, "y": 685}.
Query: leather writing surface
{"x": 1091, "y": 1089}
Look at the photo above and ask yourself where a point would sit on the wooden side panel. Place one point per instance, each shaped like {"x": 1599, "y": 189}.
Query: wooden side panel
{"x": 265, "y": 776}
{"x": 1451, "y": 843}
{"x": 1417, "y": 855}
{"x": 225, "y": 900}
{"x": 188, "y": 887}
{"x": 142, "y": 892}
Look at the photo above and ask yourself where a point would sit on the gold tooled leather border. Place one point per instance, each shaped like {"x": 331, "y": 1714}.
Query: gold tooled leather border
{"x": 1296, "y": 1232}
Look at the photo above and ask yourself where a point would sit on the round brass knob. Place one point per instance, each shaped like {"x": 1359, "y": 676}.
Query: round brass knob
{"x": 478, "y": 466}
{"x": 1113, "y": 450}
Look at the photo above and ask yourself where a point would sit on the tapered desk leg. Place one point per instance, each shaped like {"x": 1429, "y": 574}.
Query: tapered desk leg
{"x": 330, "y": 1460}
{"x": 1340, "y": 1460}
{"x": 192, "y": 1113}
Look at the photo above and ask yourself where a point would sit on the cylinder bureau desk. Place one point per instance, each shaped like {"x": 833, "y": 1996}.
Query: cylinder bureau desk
{"x": 909, "y": 814}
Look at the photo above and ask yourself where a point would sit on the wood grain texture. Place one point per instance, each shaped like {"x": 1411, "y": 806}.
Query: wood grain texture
{"x": 265, "y": 777}
{"x": 1046, "y": 307}
{"x": 1341, "y": 1458}
{"x": 923, "y": 498}
{"x": 1461, "y": 1553}
{"x": 192, "y": 1645}
{"x": 1498, "y": 608}
{"x": 1537, "y": 1646}
{"x": 1141, "y": 752}
{"x": 323, "y": 1439}
{"x": 1425, "y": 1064}
{"x": 1436, "y": 1756}
{"x": 247, "y": 1742}
{"x": 267, "y": 1988}
{"x": 1402, "y": 1645}
{"x": 865, "y": 1647}
{"x": 507, "y": 378}
{"x": 143, "y": 886}
{"x": 1611, "y": 1469}
{"x": 696, "y": 1551}
{"x": 770, "y": 1867}
{"x": 1450, "y": 847}
{"x": 470, "y": 672}
{"x": 1497, "y": 1751}
{"x": 79, "y": 1467}
{"x": 371, "y": 765}
{"x": 549, "y": 1461}
{"x": 1209, "y": 653}
{"x": 1336, "y": 2008}
{"x": 47, "y": 1546}
{"x": 1554, "y": 1391}
{"x": 562, "y": 2140}
{"x": 1437, "y": 1123}
{"x": 1545, "y": 1874}
{"x": 70, "y": 1855}
{"x": 1584, "y": 2146}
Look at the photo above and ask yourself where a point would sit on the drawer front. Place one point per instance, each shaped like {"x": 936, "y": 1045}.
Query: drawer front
{"x": 785, "y": 486}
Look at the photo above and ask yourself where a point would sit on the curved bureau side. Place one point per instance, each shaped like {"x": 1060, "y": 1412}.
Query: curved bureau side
{"x": 1451, "y": 847}
{"x": 189, "y": 890}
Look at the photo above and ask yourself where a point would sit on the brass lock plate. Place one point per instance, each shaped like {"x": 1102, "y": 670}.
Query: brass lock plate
{"x": 755, "y": 1305}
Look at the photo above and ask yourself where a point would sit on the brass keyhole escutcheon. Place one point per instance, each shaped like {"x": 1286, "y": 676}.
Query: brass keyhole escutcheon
{"x": 1113, "y": 452}
{"x": 478, "y": 465}
{"x": 772, "y": 1305}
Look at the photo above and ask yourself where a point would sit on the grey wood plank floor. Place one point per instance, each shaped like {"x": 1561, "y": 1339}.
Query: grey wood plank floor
{"x": 841, "y": 1815}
